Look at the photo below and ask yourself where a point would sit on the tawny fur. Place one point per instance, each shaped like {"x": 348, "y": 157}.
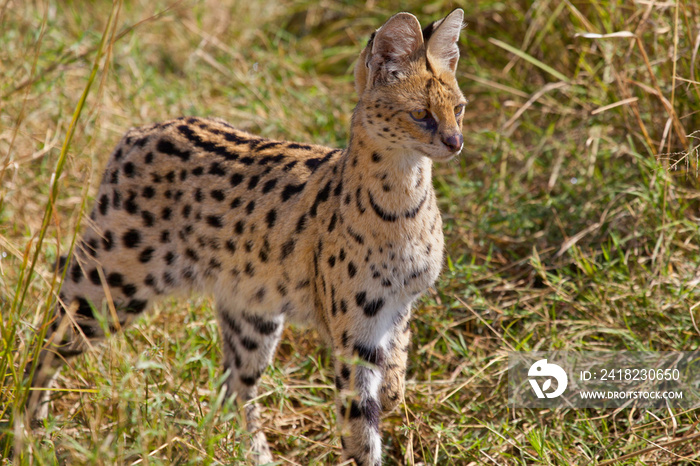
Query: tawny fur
{"x": 343, "y": 240}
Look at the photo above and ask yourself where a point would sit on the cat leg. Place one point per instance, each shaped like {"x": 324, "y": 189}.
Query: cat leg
{"x": 73, "y": 327}
{"x": 249, "y": 343}
{"x": 394, "y": 368}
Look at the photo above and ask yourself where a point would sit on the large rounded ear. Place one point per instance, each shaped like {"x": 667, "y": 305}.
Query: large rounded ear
{"x": 442, "y": 51}
{"x": 362, "y": 67}
{"x": 389, "y": 53}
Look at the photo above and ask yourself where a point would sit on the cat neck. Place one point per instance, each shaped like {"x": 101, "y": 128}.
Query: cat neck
{"x": 395, "y": 184}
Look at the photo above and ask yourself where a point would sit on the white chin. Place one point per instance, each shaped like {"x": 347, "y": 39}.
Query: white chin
{"x": 444, "y": 157}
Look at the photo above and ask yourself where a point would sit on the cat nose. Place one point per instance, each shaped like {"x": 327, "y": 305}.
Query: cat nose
{"x": 453, "y": 141}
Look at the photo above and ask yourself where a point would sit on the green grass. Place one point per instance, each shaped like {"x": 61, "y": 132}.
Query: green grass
{"x": 571, "y": 222}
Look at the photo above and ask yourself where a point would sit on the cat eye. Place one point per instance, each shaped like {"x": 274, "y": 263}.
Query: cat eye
{"x": 419, "y": 115}
{"x": 459, "y": 109}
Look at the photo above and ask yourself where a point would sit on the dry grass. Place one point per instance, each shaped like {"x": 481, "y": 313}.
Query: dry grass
{"x": 571, "y": 221}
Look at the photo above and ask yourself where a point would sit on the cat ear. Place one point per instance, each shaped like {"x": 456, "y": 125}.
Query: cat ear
{"x": 392, "y": 48}
{"x": 442, "y": 50}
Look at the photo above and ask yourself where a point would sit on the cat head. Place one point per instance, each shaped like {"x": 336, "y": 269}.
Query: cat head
{"x": 409, "y": 96}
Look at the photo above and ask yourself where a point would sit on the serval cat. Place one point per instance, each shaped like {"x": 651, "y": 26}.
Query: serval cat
{"x": 276, "y": 231}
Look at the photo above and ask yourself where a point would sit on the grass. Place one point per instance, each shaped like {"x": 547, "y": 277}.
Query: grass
{"x": 571, "y": 221}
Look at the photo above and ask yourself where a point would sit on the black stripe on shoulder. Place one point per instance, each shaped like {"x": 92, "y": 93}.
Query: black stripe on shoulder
{"x": 206, "y": 145}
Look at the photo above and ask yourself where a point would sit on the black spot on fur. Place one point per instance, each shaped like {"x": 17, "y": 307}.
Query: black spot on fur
{"x": 314, "y": 163}
{"x": 371, "y": 355}
{"x": 358, "y": 202}
{"x": 168, "y": 279}
{"x": 253, "y": 182}
{"x": 287, "y": 248}
{"x": 108, "y": 240}
{"x": 371, "y": 308}
{"x": 331, "y": 224}
{"x": 170, "y": 257}
{"x": 239, "y": 227}
{"x": 136, "y": 306}
{"x": 115, "y": 280}
{"x": 207, "y": 145}
{"x": 104, "y": 204}
{"x": 114, "y": 177}
{"x": 355, "y": 410}
{"x": 218, "y": 194}
{"x": 301, "y": 223}
{"x": 338, "y": 189}
{"x": 268, "y": 145}
{"x": 231, "y": 246}
{"x": 146, "y": 255}
{"x": 191, "y": 254}
{"x": 76, "y": 273}
{"x": 214, "y": 221}
{"x": 248, "y": 381}
{"x": 292, "y": 189}
{"x": 129, "y": 290}
{"x": 389, "y": 217}
{"x": 150, "y": 280}
{"x": 269, "y": 185}
{"x": 188, "y": 274}
{"x": 352, "y": 270}
{"x": 264, "y": 251}
{"x": 270, "y": 218}
{"x": 262, "y": 326}
{"x": 260, "y": 294}
{"x": 167, "y": 147}
{"x": 129, "y": 169}
{"x": 132, "y": 238}
{"x": 148, "y": 218}
{"x": 216, "y": 169}
{"x": 249, "y": 269}
{"x": 117, "y": 200}
{"x": 249, "y": 344}
{"x": 355, "y": 236}
{"x": 84, "y": 308}
{"x": 250, "y": 207}
{"x": 321, "y": 196}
